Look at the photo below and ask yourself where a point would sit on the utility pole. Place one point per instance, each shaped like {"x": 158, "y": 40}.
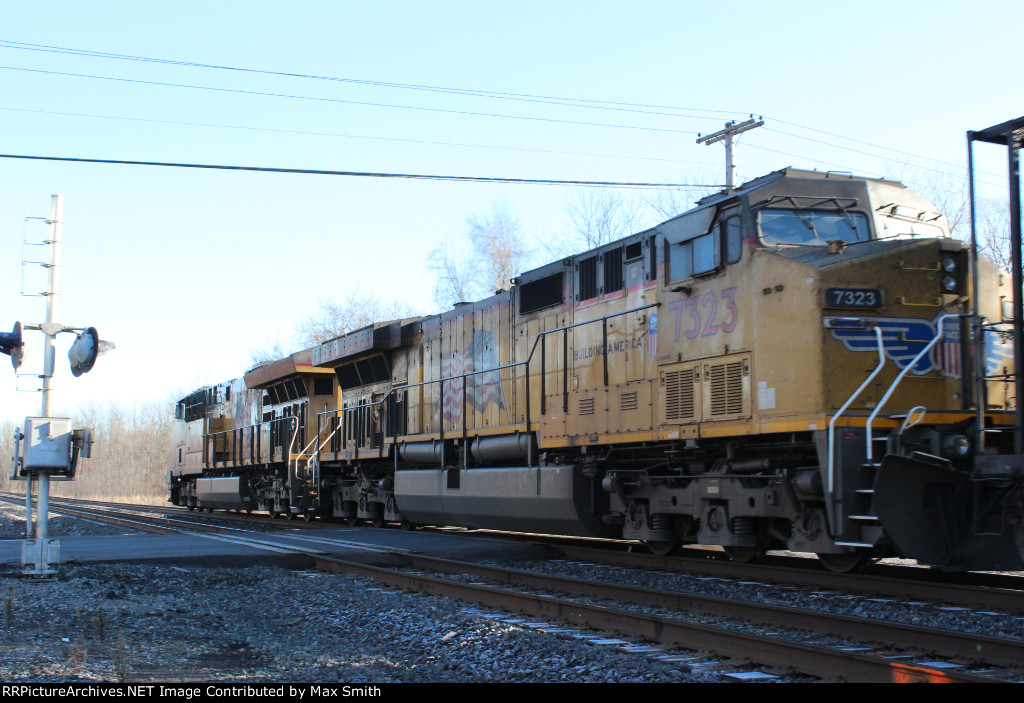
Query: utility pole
{"x": 726, "y": 135}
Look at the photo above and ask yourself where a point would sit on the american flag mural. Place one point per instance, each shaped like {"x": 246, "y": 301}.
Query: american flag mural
{"x": 482, "y": 389}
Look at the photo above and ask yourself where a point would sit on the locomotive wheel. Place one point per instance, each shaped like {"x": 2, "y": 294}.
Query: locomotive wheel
{"x": 377, "y": 522}
{"x": 407, "y": 525}
{"x": 274, "y": 514}
{"x": 744, "y": 555}
{"x": 353, "y": 521}
{"x": 289, "y": 515}
{"x": 308, "y": 517}
{"x": 661, "y": 548}
{"x": 843, "y": 563}
{"x": 191, "y": 507}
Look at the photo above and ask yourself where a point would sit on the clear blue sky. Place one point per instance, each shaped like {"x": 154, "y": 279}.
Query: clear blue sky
{"x": 186, "y": 270}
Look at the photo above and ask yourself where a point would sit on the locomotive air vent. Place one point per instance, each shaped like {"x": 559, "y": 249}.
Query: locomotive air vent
{"x": 586, "y": 406}
{"x": 628, "y": 401}
{"x": 679, "y": 395}
{"x": 726, "y": 387}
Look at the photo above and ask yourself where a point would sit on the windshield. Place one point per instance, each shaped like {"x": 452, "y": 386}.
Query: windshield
{"x": 812, "y": 227}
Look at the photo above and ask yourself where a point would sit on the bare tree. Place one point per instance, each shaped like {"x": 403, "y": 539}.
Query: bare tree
{"x": 130, "y": 454}
{"x": 497, "y": 243}
{"x": 992, "y": 220}
{"x": 453, "y": 278}
{"x": 950, "y": 193}
{"x": 670, "y": 201}
{"x": 595, "y": 217}
{"x": 334, "y": 319}
{"x": 268, "y": 352}
{"x": 497, "y": 253}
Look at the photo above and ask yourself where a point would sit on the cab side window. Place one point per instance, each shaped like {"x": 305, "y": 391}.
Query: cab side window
{"x": 733, "y": 235}
{"x": 695, "y": 256}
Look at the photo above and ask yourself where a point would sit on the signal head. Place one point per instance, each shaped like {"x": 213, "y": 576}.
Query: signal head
{"x": 83, "y": 351}
{"x": 12, "y": 344}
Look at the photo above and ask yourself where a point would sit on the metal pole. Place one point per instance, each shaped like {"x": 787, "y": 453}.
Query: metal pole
{"x": 50, "y": 348}
{"x": 977, "y": 331}
{"x": 49, "y": 355}
{"x": 1018, "y": 286}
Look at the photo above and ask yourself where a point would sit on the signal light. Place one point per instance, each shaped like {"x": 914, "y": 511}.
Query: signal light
{"x": 12, "y": 344}
{"x": 85, "y": 349}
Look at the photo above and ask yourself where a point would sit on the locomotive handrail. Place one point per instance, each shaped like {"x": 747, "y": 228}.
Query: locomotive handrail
{"x": 291, "y": 444}
{"x": 540, "y": 335}
{"x": 832, "y": 422}
{"x": 940, "y": 324}
{"x": 289, "y": 418}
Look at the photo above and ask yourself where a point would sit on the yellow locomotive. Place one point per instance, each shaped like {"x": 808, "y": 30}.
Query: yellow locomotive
{"x": 793, "y": 364}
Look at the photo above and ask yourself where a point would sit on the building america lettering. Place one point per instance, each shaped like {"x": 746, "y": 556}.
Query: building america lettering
{"x": 617, "y": 347}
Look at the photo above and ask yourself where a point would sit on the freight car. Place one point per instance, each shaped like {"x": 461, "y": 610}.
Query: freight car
{"x": 792, "y": 364}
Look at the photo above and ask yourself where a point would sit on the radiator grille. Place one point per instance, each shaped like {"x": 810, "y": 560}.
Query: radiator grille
{"x": 726, "y": 381}
{"x": 679, "y": 394}
{"x": 586, "y": 406}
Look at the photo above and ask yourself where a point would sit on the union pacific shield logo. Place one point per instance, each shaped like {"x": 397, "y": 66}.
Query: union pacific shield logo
{"x": 902, "y": 338}
{"x": 947, "y": 353}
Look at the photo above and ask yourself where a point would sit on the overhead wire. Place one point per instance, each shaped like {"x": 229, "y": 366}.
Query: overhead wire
{"x": 547, "y": 99}
{"x": 278, "y": 130}
{"x": 368, "y": 174}
{"x": 475, "y": 92}
{"x": 873, "y": 155}
{"x": 580, "y": 102}
{"x": 261, "y": 93}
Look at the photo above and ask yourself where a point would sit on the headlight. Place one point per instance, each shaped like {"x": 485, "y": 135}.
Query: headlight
{"x": 955, "y": 446}
{"x": 948, "y": 264}
{"x": 949, "y": 283}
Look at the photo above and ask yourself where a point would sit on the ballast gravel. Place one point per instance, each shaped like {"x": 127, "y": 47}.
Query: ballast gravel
{"x": 149, "y": 623}
{"x": 144, "y": 623}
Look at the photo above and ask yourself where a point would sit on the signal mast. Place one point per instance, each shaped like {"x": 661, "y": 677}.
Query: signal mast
{"x": 47, "y": 448}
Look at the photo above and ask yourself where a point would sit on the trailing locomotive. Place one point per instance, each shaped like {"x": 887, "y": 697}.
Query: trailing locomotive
{"x": 793, "y": 364}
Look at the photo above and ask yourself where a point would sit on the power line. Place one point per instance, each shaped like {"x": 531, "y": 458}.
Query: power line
{"x": 278, "y": 130}
{"x": 857, "y": 141}
{"x": 368, "y": 174}
{"x": 339, "y": 100}
{"x": 641, "y": 108}
{"x": 473, "y": 92}
{"x": 848, "y": 168}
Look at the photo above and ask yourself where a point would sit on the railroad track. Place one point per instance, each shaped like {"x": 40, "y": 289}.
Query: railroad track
{"x": 626, "y": 610}
{"x": 997, "y": 592}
